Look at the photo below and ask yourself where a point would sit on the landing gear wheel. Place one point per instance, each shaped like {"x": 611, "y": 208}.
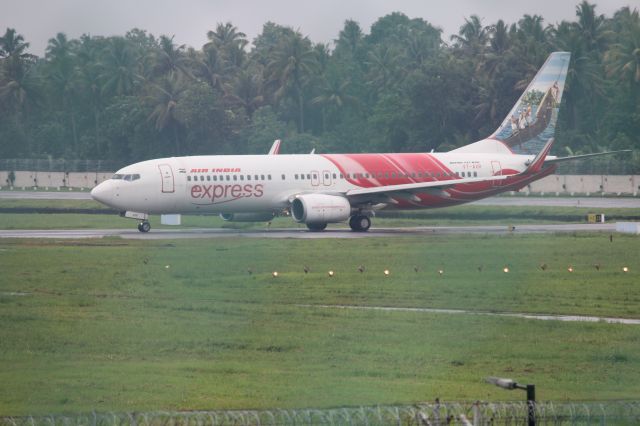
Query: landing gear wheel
{"x": 360, "y": 223}
{"x": 316, "y": 227}
{"x": 144, "y": 226}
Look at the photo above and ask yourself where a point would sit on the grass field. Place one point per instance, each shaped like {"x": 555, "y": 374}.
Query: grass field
{"x": 116, "y": 325}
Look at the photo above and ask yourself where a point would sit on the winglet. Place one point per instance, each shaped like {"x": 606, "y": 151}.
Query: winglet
{"x": 536, "y": 164}
{"x": 275, "y": 148}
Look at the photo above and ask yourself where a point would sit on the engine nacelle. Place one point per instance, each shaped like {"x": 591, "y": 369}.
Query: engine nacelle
{"x": 247, "y": 217}
{"x": 320, "y": 208}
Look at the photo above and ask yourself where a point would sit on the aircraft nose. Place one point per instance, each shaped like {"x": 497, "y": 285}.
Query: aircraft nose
{"x": 101, "y": 193}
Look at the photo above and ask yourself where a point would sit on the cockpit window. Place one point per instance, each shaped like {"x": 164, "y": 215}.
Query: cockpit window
{"x": 129, "y": 177}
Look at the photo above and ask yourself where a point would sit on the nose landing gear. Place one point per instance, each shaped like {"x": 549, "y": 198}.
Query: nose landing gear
{"x": 144, "y": 226}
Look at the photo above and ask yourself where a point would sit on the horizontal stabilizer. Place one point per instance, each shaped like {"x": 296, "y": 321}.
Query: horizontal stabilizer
{"x": 583, "y": 156}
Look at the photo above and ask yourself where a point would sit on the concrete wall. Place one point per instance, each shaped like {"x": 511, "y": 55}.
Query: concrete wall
{"x": 586, "y": 185}
{"x": 554, "y": 184}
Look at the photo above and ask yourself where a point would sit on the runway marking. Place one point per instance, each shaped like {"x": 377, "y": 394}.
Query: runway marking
{"x": 542, "y": 317}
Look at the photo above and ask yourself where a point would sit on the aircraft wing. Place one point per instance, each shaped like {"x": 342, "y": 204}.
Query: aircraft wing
{"x": 408, "y": 189}
{"x": 580, "y": 157}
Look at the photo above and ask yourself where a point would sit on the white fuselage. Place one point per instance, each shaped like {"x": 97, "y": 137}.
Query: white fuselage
{"x": 267, "y": 183}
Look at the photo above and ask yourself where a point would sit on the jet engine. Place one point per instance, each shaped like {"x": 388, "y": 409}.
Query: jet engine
{"x": 247, "y": 217}
{"x": 320, "y": 208}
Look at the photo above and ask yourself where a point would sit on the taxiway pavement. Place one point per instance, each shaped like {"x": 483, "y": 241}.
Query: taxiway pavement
{"x": 198, "y": 233}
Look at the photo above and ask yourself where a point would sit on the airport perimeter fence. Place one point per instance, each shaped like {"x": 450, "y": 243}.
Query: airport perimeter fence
{"x": 476, "y": 414}
{"x": 52, "y": 165}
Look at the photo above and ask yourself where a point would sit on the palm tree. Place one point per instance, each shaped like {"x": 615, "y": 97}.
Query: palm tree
{"x": 622, "y": 60}
{"x": 230, "y": 43}
{"x": 211, "y": 67}
{"x": 12, "y": 44}
{"x": 164, "y": 98}
{"x": 246, "y": 91}
{"x": 19, "y": 82}
{"x": 334, "y": 96}
{"x": 292, "y": 65}
{"x": 350, "y": 38}
{"x": 171, "y": 60}
{"x": 62, "y": 74}
{"x": 118, "y": 67}
{"x": 473, "y": 37}
{"x": 383, "y": 67}
{"x": 591, "y": 26}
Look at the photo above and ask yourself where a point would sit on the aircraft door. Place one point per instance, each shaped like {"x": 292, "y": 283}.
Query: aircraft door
{"x": 326, "y": 178}
{"x": 166, "y": 174}
{"x": 315, "y": 178}
{"x": 496, "y": 168}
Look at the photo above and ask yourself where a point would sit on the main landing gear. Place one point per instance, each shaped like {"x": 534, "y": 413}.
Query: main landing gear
{"x": 144, "y": 226}
{"x": 359, "y": 223}
{"x": 316, "y": 227}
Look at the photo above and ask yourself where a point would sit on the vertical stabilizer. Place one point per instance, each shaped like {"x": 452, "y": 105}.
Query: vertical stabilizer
{"x": 532, "y": 120}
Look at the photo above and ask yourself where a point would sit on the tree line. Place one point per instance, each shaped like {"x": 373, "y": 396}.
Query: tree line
{"x": 399, "y": 87}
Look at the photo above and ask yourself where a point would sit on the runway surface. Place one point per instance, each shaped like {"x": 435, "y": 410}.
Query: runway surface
{"x": 159, "y": 234}
{"x": 589, "y": 202}
{"x": 541, "y": 317}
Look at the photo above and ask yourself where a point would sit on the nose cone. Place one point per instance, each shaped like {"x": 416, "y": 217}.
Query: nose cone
{"x": 102, "y": 193}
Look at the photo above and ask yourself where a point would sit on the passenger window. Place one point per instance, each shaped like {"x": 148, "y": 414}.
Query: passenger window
{"x": 235, "y": 177}
{"x": 188, "y": 178}
{"x": 262, "y": 177}
{"x": 308, "y": 176}
{"x": 282, "y": 177}
{"x": 241, "y": 177}
{"x": 269, "y": 177}
{"x": 228, "y": 177}
{"x": 201, "y": 178}
{"x": 208, "y": 178}
{"x": 301, "y": 177}
{"x": 341, "y": 176}
{"x": 256, "y": 177}
{"x": 475, "y": 174}
{"x": 215, "y": 178}
{"x": 334, "y": 176}
{"x": 248, "y": 177}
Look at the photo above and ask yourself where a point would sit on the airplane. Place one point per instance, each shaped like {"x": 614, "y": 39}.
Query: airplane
{"x": 318, "y": 189}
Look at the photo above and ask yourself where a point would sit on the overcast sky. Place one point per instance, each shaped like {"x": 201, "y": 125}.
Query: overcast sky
{"x": 321, "y": 20}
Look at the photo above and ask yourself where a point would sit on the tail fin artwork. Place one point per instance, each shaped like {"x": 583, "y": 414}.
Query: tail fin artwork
{"x": 532, "y": 120}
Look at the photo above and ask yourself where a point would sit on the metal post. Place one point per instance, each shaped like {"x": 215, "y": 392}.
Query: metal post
{"x": 531, "y": 405}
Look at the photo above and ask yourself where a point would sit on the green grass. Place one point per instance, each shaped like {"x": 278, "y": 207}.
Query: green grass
{"x": 105, "y": 324}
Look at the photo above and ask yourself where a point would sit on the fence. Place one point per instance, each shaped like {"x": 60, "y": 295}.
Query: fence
{"x": 51, "y": 165}
{"x": 438, "y": 414}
